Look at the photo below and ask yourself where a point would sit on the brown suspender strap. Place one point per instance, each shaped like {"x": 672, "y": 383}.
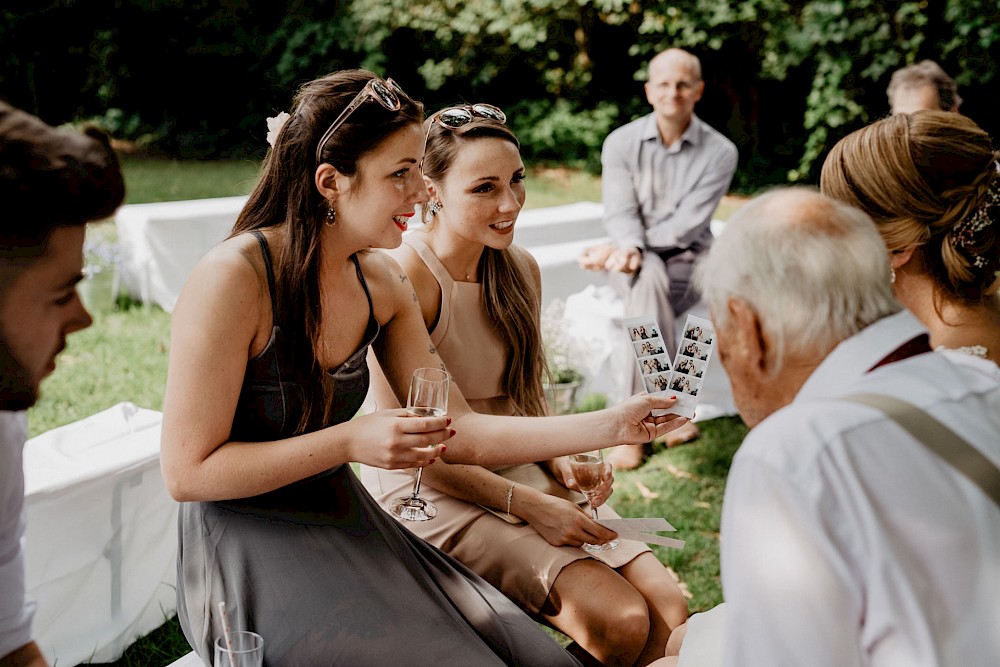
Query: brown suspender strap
{"x": 938, "y": 438}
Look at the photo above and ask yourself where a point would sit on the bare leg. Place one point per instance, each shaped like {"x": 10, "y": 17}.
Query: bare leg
{"x": 626, "y": 457}
{"x": 667, "y": 607}
{"x": 672, "y": 658}
{"x": 601, "y": 611}
{"x": 670, "y": 661}
{"x": 676, "y": 639}
{"x": 679, "y": 436}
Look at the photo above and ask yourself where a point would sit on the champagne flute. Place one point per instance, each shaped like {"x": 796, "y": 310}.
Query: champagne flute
{"x": 428, "y": 398}
{"x": 588, "y": 471}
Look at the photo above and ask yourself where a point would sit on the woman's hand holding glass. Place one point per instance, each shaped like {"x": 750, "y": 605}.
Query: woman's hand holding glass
{"x": 394, "y": 439}
{"x": 600, "y": 494}
{"x": 428, "y": 397}
{"x": 590, "y": 473}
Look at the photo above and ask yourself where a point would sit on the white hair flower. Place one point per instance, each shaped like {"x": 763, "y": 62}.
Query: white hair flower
{"x": 274, "y": 126}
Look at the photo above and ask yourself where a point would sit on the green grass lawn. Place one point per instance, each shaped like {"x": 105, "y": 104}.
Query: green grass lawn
{"x": 123, "y": 356}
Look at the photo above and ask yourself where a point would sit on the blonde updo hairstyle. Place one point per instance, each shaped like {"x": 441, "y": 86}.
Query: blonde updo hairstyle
{"x": 919, "y": 176}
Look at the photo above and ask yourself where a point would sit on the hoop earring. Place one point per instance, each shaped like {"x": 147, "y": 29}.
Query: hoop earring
{"x": 331, "y": 216}
{"x": 434, "y": 207}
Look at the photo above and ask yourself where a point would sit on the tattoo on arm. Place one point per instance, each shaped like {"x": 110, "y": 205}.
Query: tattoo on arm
{"x": 403, "y": 279}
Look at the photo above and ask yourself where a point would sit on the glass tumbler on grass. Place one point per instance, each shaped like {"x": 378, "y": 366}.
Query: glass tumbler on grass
{"x": 247, "y": 650}
{"x": 588, "y": 470}
{"x": 428, "y": 398}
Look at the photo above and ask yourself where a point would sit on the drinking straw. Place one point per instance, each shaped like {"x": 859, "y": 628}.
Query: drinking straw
{"x": 226, "y": 634}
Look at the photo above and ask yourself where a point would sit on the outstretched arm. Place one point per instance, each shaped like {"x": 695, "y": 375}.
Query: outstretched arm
{"x": 487, "y": 439}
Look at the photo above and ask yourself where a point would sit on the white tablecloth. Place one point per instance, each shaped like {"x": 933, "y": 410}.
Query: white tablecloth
{"x": 101, "y": 543}
{"x": 162, "y": 242}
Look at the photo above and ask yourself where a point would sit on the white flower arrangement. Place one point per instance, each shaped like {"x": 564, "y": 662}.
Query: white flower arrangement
{"x": 562, "y": 351}
{"x": 274, "y": 125}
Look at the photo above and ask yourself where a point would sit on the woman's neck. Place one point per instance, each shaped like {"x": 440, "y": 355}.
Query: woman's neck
{"x": 955, "y": 324}
{"x": 459, "y": 256}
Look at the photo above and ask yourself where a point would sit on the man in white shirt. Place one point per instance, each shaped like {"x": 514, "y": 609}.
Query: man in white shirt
{"x": 845, "y": 541}
{"x": 52, "y": 183}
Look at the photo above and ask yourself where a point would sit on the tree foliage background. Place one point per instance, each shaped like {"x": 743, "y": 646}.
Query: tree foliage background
{"x": 784, "y": 79}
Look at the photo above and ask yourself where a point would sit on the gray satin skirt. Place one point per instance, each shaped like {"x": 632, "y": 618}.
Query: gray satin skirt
{"x": 328, "y": 578}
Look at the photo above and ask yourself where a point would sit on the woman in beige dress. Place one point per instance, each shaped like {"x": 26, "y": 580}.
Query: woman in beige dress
{"x": 480, "y": 300}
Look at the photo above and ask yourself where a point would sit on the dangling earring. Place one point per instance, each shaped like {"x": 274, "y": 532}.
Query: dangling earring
{"x": 331, "y": 216}
{"x": 892, "y": 275}
{"x": 434, "y": 207}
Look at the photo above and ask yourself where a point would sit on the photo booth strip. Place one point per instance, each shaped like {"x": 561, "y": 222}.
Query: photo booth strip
{"x": 684, "y": 376}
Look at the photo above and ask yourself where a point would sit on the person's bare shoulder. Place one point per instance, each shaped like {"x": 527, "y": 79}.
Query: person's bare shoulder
{"x": 231, "y": 274}
{"x": 423, "y": 280}
{"x": 388, "y": 283}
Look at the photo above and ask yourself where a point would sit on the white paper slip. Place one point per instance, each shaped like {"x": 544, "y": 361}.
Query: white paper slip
{"x": 627, "y": 531}
{"x": 646, "y": 525}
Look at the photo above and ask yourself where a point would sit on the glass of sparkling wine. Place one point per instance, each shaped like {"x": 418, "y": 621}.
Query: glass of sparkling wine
{"x": 428, "y": 398}
{"x": 588, "y": 470}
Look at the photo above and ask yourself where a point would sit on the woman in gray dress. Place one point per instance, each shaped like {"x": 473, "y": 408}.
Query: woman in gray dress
{"x": 267, "y": 369}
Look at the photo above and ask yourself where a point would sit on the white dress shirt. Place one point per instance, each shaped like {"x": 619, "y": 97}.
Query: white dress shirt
{"x": 16, "y": 612}
{"x": 846, "y": 542}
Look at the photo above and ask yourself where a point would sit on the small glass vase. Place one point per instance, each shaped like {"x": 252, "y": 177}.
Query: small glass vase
{"x": 99, "y": 290}
{"x": 562, "y": 396}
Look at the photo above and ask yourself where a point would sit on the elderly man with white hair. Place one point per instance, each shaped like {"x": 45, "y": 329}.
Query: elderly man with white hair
{"x": 845, "y": 539}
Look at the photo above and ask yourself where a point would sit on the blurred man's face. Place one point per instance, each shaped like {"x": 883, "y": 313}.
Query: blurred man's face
{"x": 917, "y": 98}
{"x": 673, "y": 89}
{"x": 39, "y": 308}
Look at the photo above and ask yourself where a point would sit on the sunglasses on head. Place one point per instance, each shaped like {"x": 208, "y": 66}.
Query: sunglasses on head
{"x": 384, "y": 91}
{"x": 455, "y": 117}
{"x": 463, "y": 114}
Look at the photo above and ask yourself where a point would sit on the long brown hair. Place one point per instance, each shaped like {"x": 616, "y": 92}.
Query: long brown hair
{"x": 512, "y": 303}
{"x": 285, "y": 197}
{"x": 920, "y": 176}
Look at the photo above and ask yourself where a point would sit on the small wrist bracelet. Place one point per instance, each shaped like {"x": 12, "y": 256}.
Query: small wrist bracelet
{"x": 510, "y": 496}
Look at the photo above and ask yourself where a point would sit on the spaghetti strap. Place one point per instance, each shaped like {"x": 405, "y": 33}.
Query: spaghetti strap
{"x": 364, "y": 284}
{"x": 266, "y": 252}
